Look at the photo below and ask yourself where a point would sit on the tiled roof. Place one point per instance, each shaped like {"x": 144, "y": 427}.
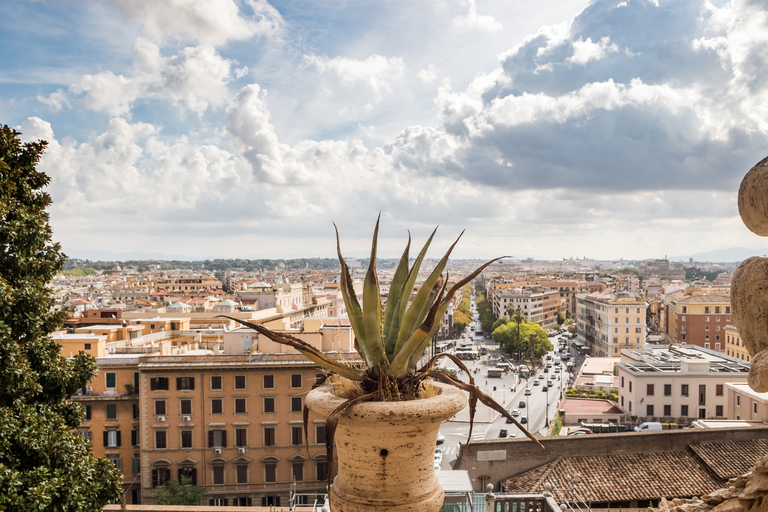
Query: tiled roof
{"x": 728, "y": 459}
{"x": 622, "y": 477}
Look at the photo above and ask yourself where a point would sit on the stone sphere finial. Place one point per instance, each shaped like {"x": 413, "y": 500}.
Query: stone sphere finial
{"x": 489, "y": 487}
{"x": 753, "y": 198}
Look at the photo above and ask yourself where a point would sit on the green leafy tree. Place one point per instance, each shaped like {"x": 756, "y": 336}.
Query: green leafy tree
{"x": 175, "y": 493}
{"x": 44, "y": 465}
{"x": 498, "y": 323}
{"x": 522, "y": 338}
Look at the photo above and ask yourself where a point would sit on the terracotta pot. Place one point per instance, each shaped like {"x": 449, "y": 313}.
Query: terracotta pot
{"x": 385, "y": 451}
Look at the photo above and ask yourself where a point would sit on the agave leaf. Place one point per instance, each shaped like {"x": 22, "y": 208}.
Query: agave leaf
{"x": 414, "y": 315}
{"x": 413, "y": 275}
{"x": 305, "y": 411}
{"x": 330, "y": 428}
{"x": 392, "y": 311}
{"x": 485, "y": 399}
{"x": 305, "y": 348}
{"x": 354, "y": 311}
{"x": 472, "y": 398}
{"x": 371, "y": 343}
{"x": 435, "y": 302}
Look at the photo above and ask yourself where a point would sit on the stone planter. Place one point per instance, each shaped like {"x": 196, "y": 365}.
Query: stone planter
{"x": 385, "y": 451}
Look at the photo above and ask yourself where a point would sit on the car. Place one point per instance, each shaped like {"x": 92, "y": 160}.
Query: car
{"x": 536, "y": 382}
{"x": 503, "y": 432}
{"x": 508, "y": 420}
{"x": 521, "y": 404}
{"x": 439, "y": 453}
{"x": 440, "y": 438}
{"x": 528, "y": 391}
{"x": 551, "y": 383}
{"x": 523, "y": 420}
{"x": 557, "y": 370}
{"x": 580, "y": 431}
{"x": 545, "y": 388}
{"x": 515, "y": 412}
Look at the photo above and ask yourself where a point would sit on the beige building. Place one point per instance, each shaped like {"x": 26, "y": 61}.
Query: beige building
{"x": 677, "y": 384}
{"x": 538, "y": 305}
{"x": 609, "y": 324}
{"x": 734, "y": 347}
{"x": 745, "y": 404}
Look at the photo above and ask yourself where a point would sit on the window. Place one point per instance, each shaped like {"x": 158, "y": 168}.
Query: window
{"x": 216, "y": 406}
{"x": 217, "y": 439}
{"x": 160, "y": 476}
{"x": 683, "y": 318}
{"x": 135, "y": 468}
{"x": 719, "y": 411}
{"x": 186, "y": 407}
{"x": 159, "y": 407}
{"x": 630, "y": 386}
{"x": 706, "y": 327}
{"x": 239, "y": 405}
{"x": 706, "y": 319}
{"x": 185, "y": 383}
{"x": 685, "y": 309}
{"x": 269, "y": 382}
{"x": 111, "y": 411}
{"x": 219, "y": 502}
{"x": 298, "y": 471}
{"x": 706, "y": 311}
{"x": 135, "y": 437}
{"x": 296, "y": 435}
{"x": 269, "y": 436}
{"x": 321, "y": 468}
{"x": 87, "y": 346}
{"x": 270, "y": 472}
{"x": 295, "y": 404}
{"x": 320, "y": 434}
{"x": 719, "y": 389}
{"x": 161, "y": 440}
{"x": 135, "y": 411}
{"x": 717, "y": 311}
{"x": 111, "y": 380}
{"x": 190, "y": 473}
{"x": 649, "y": 410}
{"x": 296, "y": 380}
{"x": 111, "y": 438}
{"x": 684, "y": 389}
{"x": 87, "y": 412}
{"x": 186, "y": 439}
{"x": 649, "y": 389}
{"x": 728, "y": 310}
{"x": 667, "y": 410}
{"x": 242, "y": 473}
{"x": 684, "y": 410}
{"x": 754, "y": 407}
{"x": 622, "y": 381}
{"x": 239, "y": 381}
{"x": 241, "y": 437}
{"x": 216, "y": 382}
{"x": 269, "y": 404}
{"x": 667, "y": 389}
{"x": 218, "y": 474}
{"x": 738, "y": 400}
{"x": 702, "y": 394}
{"x": 156, "y": 383}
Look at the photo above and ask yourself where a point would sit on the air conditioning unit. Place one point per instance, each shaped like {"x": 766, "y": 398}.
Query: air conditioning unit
{"x": 161, "y": 418}
{"x": 241, "y": 450}
{"x": 217, "y": 451}
{"x": 186, "y": 418}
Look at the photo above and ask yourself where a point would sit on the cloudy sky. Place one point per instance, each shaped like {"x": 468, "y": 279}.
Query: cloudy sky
{"x": 244, "y": 128}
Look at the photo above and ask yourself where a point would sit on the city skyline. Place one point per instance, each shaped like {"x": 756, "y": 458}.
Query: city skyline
{"x": 244, "y": 129}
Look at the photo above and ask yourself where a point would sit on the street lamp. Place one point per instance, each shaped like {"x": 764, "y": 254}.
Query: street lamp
{"x": 546, "y": 412}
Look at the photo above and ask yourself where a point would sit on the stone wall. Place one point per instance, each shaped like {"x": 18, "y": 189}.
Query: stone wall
{"x": 503, "y": 458}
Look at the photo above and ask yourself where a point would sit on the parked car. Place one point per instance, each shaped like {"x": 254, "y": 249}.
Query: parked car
{"x": 544, "y": 388}
{"x": 649, "y": 425}
{"x": 536, "y": 382}
{"x": 523, "y": 420}
{"x": 521, "y": 404}
{"x": 503, "y": 432}
{"x": 528, "y": 391}
{"x": 440, "y": 438}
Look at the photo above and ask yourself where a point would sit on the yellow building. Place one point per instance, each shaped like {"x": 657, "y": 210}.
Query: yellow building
{"x": 734, "y": 347}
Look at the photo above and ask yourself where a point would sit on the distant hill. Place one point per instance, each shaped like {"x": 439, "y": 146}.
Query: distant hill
{"x": 723, "y": 255}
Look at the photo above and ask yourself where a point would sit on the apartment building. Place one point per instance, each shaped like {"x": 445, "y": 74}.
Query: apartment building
{"x": 745, "y": 404}
{"x": 677, "y": 384}
{"x": 610, "y": 323}
{"x": 230, "y": 418}
{"x": 568, "y": 290}
{"x": 734, "y": 347}
{"x": 538, "y": 305}
{"x": 699, "y": 320}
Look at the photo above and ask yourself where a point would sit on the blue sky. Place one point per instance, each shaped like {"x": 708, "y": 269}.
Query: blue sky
{"x": 548, "y": 129}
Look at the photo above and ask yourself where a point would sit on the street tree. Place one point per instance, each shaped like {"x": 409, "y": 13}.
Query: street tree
{"x": 44, "y": 464}
{"x": 179, "y": 493}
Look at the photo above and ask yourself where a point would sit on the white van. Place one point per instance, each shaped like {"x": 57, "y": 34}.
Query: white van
{"x": 649, "y": 425}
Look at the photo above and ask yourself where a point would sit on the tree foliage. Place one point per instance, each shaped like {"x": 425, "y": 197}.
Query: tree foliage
{"x": 484, "y": 309}
{"x": 44, "y": 465}
{"x": 506, "y": 336}
{"x": 179, "y": 493}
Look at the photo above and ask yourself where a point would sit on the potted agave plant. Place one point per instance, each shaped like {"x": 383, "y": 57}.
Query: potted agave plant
{"x": 384, "y": 430}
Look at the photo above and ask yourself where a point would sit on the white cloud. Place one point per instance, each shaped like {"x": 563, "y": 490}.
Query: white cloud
{"x": 585, "y": 51}
{"x": 56, "y": 101}
{"x": 209, "y": 22}
{"x": 376, "y": 71}
{"x": 428, "y": 75}
{"x": 474, "y": 21}
{"x": 195, "y": 79}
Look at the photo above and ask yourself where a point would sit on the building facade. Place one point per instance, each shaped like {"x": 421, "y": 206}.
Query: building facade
{"x": 699, "y": 320}
{"x": 609, "y": 324}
